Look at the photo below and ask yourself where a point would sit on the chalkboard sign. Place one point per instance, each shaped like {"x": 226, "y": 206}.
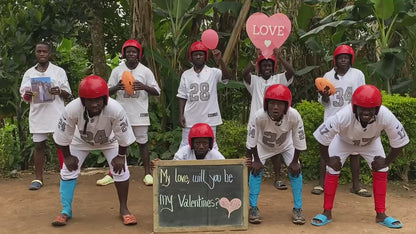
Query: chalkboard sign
{"x": 200, "y": 195}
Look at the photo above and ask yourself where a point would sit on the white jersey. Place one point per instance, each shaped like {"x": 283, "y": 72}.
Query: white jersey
{"x": 186, "y": 153}
{"x": 200, "y": 92}
{"x": 258, "y": 87}
{"x": 137, "y": 105}
{"x": 105, "y": 131}
{"x": 345, "y": 86}
{"x": 43, "y": 116}
{"x": 272, "y": 139}
{"x": 349, "y": 129}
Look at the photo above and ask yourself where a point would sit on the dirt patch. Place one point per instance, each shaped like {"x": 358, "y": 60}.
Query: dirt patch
{"x": 96, "y": 208}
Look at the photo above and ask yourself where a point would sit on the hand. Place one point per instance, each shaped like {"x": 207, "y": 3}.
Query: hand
{"x": 182, "y": 121}
{"x": 71, "y": 162}
{"x": 334, "y": 162}
{"x": 276, "y": 54}
{"x": 294, "y": 168}
{"x": 118, "y": 164}
{"x": 325, "y": 95}
{"x": 217, "y": 54}
{"x": 247, "y": 161}
{"x": 120, "y": 86}
{"x": 256, "y": 168}
{"x": 55, "y": 90}
{"x": 137, "y": 85}
{"x": 28, "y": 95}
{"x": 378, "y": 163}
{"x": 153, "y": 163}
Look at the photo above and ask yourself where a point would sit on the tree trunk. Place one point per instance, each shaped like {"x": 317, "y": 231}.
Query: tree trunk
{"x": 97, "y": 38}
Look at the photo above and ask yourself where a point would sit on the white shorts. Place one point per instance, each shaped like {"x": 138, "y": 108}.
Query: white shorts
{"x": 342, "y": 149}
{"x": 39, "y": 137}
{"x": 82, "y": 154}
{"x": 140, "y": 132}
{"x": 185, "y": 137}
{"x": 287, "y": 156}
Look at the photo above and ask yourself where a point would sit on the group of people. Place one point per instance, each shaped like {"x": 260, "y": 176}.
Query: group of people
{"x": 354, "y": 119}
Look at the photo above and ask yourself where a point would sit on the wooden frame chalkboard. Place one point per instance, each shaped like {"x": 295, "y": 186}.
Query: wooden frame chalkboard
{"x": 200, "y": 195}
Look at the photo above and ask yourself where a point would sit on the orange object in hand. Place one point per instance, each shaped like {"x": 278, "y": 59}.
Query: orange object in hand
{"x": 128, "y": 80}
{"x": 325, "y": 86}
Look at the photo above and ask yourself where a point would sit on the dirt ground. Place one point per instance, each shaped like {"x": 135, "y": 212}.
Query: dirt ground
{"x": 96, "y": 208}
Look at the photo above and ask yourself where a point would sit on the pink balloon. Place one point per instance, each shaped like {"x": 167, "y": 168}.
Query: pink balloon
{"x": 210, "y": 39}
{"x": 266, "y": 32}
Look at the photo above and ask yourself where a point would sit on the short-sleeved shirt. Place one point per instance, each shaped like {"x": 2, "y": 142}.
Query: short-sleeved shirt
{"x": 200, "y": 92}
{"x": 107, "y": 130}
{"x": 258, "y": 87}
{"x": 136, "y": 105}
{"x": 345, "y": 124}
{"x": 345, "y": 86}
{"x": 186, "y": 153}
{"x": 273, "y": 137}
{"x": 43, "y": 116}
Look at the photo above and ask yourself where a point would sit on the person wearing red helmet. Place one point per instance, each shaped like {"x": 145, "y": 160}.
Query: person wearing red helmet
{"x": 357, "y": 129}
{"x": 94, "y": 121}
{"x": 42, "y": 114}
{"x": 136, "y": 104}
{"x": 197, "y": 91}
{"x": 257, "y": 85}
{"x": 278, "y": 130}
{"x": 346, "y": 80}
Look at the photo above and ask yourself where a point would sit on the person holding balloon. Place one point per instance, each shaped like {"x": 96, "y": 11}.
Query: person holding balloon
{"x": 197, "y": 91}
{"x": 256, "y": 85}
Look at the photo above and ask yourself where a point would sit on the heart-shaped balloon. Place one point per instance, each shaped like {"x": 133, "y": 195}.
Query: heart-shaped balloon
{"x": 267, "y": 33}
{"x": 231, "y": 206}
{"x": 210, "y": 39}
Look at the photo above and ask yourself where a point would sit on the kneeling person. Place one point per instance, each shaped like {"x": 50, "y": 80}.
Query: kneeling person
{"x": 278, "y": 130}
{"x": 94, "y": 121}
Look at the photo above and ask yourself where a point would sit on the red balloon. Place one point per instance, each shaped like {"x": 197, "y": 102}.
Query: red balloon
{"x": 210, "y": 39}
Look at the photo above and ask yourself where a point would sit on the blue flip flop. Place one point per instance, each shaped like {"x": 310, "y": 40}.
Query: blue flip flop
{"x": 388, "y": 222}
{"x": 324, "y": 220}
{"x": 35, "y": 185}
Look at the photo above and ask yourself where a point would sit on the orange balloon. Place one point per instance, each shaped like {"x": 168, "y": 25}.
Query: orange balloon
{"x": 325, "y": 86}
{"x": 128, "y": 80}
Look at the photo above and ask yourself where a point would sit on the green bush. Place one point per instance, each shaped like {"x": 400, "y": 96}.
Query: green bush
{"x": 10, "y": 157}
{"x": 231, "y": 139}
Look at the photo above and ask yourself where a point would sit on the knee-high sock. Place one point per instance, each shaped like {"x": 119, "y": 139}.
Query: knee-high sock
{"x": 380, "y": 190}
{"x": 254, "y": 185}
{"x": 66, "y": 190}
{"x": 331, "y": 184}
{"x": 60, "y": 158}
{"x": 297, "y": 184}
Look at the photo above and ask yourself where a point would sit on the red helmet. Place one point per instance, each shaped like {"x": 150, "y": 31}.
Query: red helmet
{"x": 132, "y": 43}
{"x": 261, "y": 58}
{"x": 368, "y": 96}
{"x": 344, "y": 49}
{"x": 278, "y": 92}
{"x": 201, "y": 130}
{"x": 198, "y": 46}
{"x": 93, "y": 87}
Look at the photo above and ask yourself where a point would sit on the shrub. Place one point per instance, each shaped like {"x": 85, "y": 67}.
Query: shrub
{"x": 231, "y": 139}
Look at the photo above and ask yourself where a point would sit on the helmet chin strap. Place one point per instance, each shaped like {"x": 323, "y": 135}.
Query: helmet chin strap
{"x": 365, "y": 124}
{"x": 85, "y": 115}
{"x": 278, "y": 122}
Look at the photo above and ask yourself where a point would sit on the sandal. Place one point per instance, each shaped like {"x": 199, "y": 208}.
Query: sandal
{"x": 129, "y": 219}
{"x": 35, "y": 185}
{"x": 361, "y": 192}
{"x": 60, "y": 220}
{"x": 280, "y": 185}
{"x": 317, "y": 190}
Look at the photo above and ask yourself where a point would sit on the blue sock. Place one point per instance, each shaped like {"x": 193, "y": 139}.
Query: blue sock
{"x": 297, "y": 185}
{"x": 254, "y": 185}
{"x": 66, "y": 190}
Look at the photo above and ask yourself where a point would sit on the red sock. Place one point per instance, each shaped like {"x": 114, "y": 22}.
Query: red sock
{"x": 109, "y": 173}
{"x": 380, "y": 190}
{"x": 330, "y": 187}
{"x": 60, "y": 158}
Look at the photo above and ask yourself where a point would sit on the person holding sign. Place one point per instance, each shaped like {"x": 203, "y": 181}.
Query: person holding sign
{"x": 42, "y": 115}
{"x": 346, "y": 80}
{"x": 357, "y": 129}
{"x": 197, "y": 91}
{"x": 133, "y": 96}
{"x": 278, "y": 130}
{"x": 256, "y": 86}
{"x": 94, "y": 121}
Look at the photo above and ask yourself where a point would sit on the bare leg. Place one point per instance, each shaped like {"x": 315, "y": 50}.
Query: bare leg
{"x": 39, "y": 159}
{"x": 277, "y": 165}
{"x": 122, "y": 192}
{"x": 144, "y": 154}
{"x": 355, "y": 171}
{"x": 322, "y": 172}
